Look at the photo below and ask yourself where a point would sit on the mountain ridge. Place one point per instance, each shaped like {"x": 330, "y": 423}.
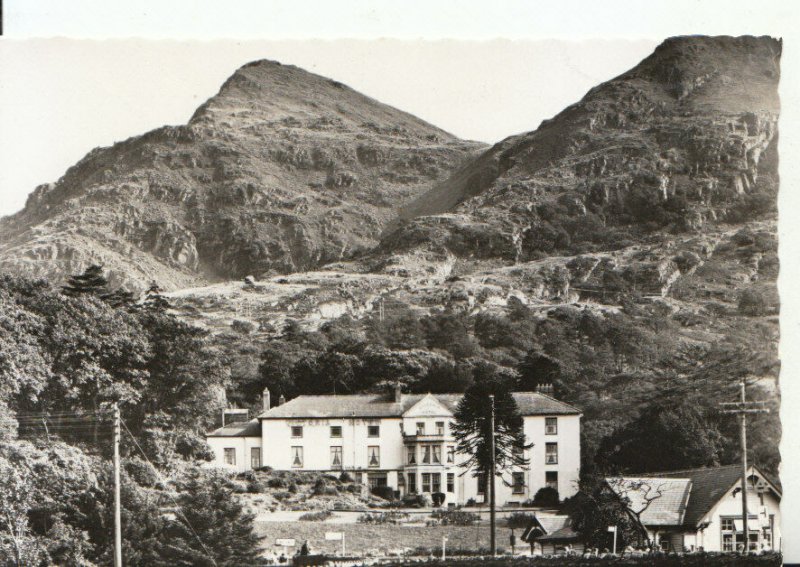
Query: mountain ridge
{"x": 282, "y": 170}
{"x": 685, "y": 129}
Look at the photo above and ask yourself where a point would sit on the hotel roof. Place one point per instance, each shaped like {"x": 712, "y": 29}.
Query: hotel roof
{"x": 380, "y": 405}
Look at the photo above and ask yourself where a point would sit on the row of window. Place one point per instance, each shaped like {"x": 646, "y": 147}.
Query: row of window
{"x": 431, "y": 454}
{"x": 431, "y": 482}
{"x": 229, "y": 456}
{"x": 550, "y": 428}
{"x": 373, "y": 456}
{"x": 733, "y": 534}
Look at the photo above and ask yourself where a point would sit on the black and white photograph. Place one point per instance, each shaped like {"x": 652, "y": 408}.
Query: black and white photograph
{"x": 393, "y": 301}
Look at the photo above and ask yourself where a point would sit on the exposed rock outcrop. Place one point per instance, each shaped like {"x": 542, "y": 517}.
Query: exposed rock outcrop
{"x": 281, "y": 171}
{"x": 685, "y": 138}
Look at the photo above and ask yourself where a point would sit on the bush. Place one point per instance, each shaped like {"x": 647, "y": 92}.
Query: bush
{"x": 753, "y": 303}
{"x": 256, "y": 487}
{"x": 345, "y": 477}
{"x": 672, "y": 560}
{"x": 519, "y": 520}
{"x": 455, "y": 517}
{"x": 243, "y": 327}
{"x": 546, "y": 496}
{"x": 277, "y": 482}
{"x": 320, "y": 516}
{"x": 320, "y": 487}
{"x": 385, "y": 492}
{"x": 382, "y": 518}
{"x": 414, "y": 501}
{"x": 142, "y": 473}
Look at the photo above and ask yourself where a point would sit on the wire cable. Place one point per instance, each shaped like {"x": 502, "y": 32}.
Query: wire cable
{"x": 161, "y": 478}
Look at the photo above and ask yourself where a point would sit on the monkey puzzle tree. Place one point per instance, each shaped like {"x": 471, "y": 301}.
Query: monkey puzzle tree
{"x": 488, "y": 418}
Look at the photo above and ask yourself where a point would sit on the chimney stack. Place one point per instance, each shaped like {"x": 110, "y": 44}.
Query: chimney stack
{"x": 398, "y": 392}
{"x": 265, "y": 399}
{"x": 281, "y": 400}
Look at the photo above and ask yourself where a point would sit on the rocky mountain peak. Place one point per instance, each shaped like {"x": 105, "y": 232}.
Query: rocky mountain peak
{"x": 282, "y": 170}
{"x": 685, "y": 138}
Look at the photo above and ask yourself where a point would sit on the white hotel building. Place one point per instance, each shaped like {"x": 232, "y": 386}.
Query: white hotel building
{"x": 403, "y": 441}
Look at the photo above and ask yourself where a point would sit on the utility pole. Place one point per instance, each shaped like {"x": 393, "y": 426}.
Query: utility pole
{"x": 492, "y": 522}
{"x": 742, "y": 408}
{"x": 117, "y": 514}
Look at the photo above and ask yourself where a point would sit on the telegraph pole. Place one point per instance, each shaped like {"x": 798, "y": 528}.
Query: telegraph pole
{"x": 742, "y": 408}
{"x": 117, "y": 514}
{"x": 492, "y": 523}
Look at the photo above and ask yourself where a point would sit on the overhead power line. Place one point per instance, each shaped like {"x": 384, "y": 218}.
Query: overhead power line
{"x": 174, "y": 501}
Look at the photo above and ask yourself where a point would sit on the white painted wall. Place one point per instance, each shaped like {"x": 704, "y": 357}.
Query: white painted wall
{"x": 276, "y": 441}
{"x": 242, "y": 445}
{"x": 731, "y": 506}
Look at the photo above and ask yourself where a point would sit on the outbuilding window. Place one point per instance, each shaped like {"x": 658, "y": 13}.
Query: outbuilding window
{"x": 230, "y": 456}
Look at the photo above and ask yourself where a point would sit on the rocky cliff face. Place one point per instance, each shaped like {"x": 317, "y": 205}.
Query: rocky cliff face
{"x": 684, "y": 139}
{"x": 281, "y": 171}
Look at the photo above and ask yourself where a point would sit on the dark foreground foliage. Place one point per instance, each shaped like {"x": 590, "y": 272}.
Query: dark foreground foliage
{"x": 65, "y": 356}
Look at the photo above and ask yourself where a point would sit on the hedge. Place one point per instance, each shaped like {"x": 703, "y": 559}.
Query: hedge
{"x": 672, "y": 560}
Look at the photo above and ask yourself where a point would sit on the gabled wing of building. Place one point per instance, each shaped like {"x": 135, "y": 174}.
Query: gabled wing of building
{"x": 661, "y": 501}
{"x": 709, "y": 485}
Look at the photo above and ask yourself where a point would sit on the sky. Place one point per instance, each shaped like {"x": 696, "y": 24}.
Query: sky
{"x": 60, "y": 98}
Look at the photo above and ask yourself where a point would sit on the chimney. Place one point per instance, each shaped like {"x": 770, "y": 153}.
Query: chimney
{"x": 398, "y": 392}
{"x": 281, "y": 400}
{"x": 265, "y": 401}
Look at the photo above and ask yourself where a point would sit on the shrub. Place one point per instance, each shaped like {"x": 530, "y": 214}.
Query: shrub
{"x": 546, "y": 496}
{"x": 142, "y": 473}
{"x": 753, "y": 303}
{"x": 255, "y": 487}
{"x": 243, "y": 327}
{"x": 519, "y": 520}
{"x": 385, "y": 492}
{"x": 277, "y": 482}
{"x": 320, "y": 516}
{"x": 345, "y": 477}
{"x": 414, "y": 501}
{"x": 382, "y": 518}
{"x": 455, "y": 517}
